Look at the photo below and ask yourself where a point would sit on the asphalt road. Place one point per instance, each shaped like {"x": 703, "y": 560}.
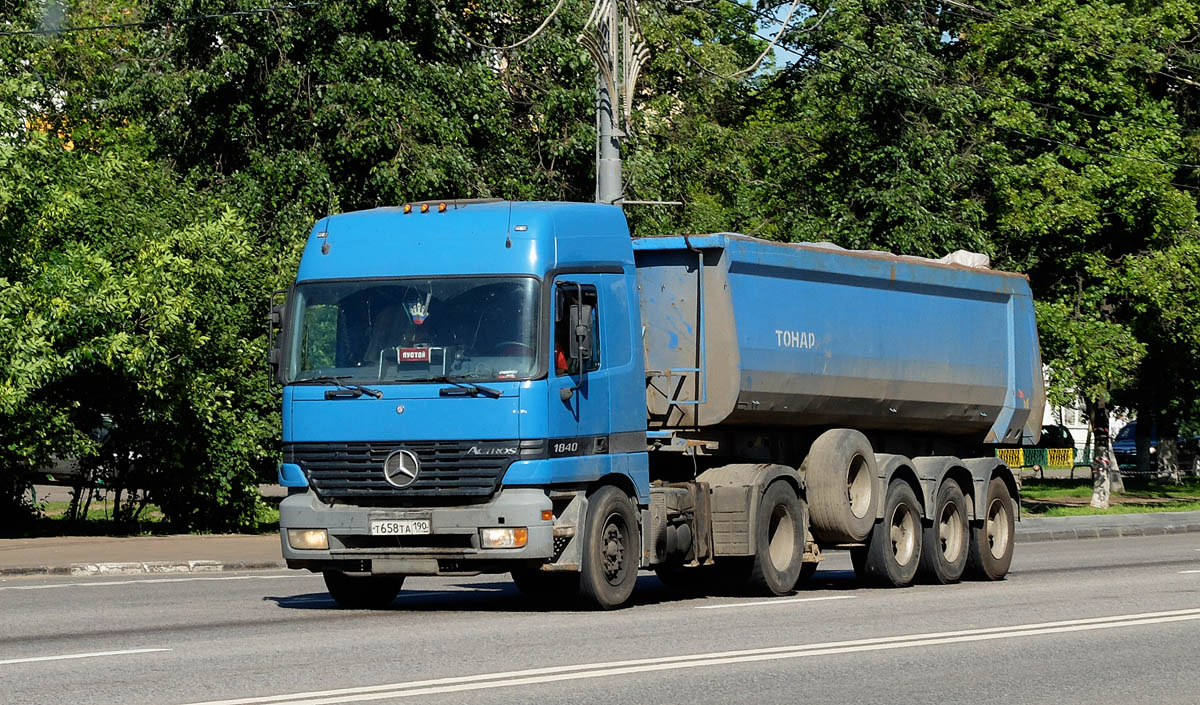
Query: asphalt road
{"x": 1097, "y": 621}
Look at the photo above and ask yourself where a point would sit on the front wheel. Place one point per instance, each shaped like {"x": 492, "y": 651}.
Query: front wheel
{"x": 362, "y": 592}
{"x": 611, "y": 549}
{"x": 992, "y": 539}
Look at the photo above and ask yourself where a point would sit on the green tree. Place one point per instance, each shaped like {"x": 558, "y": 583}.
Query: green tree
{"x": 130, "y": 334}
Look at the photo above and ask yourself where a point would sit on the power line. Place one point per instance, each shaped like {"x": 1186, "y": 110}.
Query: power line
{"x": 771, "y": 44}
{"x": 445, "y": 16}
{"x": 159, "y": 23}
{"x": 981, "y": 89}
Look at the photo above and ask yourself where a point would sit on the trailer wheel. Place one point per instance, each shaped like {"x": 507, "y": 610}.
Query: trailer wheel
{"x": 839, "y": 476}
{"x": 611, "y": 549}
{"x": 991, "y": 546}
{"x": 944, "y": 553}
{"x": 894, "y": 551}
{"x": 362, "y": 592}
{"x": 779, "y": 527}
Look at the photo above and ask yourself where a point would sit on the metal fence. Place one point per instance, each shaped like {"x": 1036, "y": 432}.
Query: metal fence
{"x": 1044, "y": 458}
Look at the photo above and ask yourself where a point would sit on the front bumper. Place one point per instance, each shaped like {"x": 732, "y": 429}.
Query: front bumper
{"x": 452, "y": 546}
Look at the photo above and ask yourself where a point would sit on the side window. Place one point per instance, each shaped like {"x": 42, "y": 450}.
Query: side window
{"x": 566, "y": 297}
{"x": 319, "y": 339}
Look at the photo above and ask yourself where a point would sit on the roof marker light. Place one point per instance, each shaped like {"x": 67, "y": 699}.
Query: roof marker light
{"x": 424, "y": 207}
{"x": 441, "y": 208}
{"x": 407, "y": 208}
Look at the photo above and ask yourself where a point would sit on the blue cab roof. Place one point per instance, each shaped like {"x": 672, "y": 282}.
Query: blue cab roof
{"x": 501, "y": 237}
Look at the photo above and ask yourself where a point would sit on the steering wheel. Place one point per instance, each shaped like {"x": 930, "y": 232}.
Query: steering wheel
{"x": 511, "y": 348}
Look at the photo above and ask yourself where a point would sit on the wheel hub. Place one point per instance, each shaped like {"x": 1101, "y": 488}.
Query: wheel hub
{"x": 950, "y": 533}
{"x": 903, "y": 535}
{"x": 614, "y": 552}
{"x": 997, "y": 528}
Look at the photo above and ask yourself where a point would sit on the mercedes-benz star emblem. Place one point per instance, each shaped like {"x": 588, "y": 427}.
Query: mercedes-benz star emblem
{"x": 401, "y": 468}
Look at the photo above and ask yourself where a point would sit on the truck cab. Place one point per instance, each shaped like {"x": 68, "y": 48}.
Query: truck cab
{"x": 454, "y": 376}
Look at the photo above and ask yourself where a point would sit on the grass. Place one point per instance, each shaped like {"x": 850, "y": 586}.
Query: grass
{"x": 1118, "y": 509}
{"x": 99, "y": 521}
{"x": 1069, "y": 497}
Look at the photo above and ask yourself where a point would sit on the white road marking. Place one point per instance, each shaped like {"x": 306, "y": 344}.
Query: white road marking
{"x": 101, "y": 583}
{"x": 91, "y": 654}
{"x": 599, "y": 670}
{"x": 776, "y": 602}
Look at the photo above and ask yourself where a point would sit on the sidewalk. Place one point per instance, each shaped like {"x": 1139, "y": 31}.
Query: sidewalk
{"x": 104, "y": 555}
{"x": 86, "y": 555}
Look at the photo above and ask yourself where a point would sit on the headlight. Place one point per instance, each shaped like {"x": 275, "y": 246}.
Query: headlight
{"x": 308, "y": 539}
{"x": 1153, "y": 450}
{"x": 504, "y": 538}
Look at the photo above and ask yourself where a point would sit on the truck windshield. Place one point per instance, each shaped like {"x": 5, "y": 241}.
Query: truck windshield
{"x": 413, "y": 330}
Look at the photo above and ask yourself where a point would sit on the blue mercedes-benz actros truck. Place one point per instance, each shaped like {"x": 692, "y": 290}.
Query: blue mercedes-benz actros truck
{"x": 522, "y": 388}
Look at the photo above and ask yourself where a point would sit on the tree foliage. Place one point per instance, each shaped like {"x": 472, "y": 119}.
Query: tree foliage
{"x": 156, "y": 180}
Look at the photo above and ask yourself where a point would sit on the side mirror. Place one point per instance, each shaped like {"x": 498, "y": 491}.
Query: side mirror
{"x": 581, "y": 331}
{"x": 275, "y": 317}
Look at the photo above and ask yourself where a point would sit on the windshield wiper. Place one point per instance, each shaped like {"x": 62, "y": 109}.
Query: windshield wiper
{"x": 358, "y": 390}
{"x": 472, "y": 389}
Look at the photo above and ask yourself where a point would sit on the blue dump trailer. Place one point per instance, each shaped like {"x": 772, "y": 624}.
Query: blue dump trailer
{"x": 522, "y": 388}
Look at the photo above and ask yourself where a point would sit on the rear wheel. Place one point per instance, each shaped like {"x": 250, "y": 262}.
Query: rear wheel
{"x": 779, "y": 540}
{"x": 611, "y": 549}
{"x": 991, "y": 546}
{"x": 944, "y": 550}
{"x": 362, "y": 592}
{"x": 894, "y": 550}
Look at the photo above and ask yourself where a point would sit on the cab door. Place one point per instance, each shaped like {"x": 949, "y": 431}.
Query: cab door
{"x": 579, "y": 403}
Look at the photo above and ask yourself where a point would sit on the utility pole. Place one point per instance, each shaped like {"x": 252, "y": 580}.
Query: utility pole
{"x": 613, "y": 37}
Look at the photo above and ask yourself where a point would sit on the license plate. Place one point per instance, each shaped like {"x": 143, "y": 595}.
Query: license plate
{"x": 399, "y": 527}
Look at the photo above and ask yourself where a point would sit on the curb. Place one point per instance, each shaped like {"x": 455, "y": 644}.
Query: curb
{"x": 156, "y": 567}
{"x": 1102, "y": 532}
{"x": 1104, "y": 526}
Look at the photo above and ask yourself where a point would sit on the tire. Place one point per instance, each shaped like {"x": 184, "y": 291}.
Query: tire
{"x": 894, "y": 551}
{"x": 946, "y": 539}
{"x": 779, "y": 528}
{"x": 611, "y": 550}
{"x": 362, "y": 592}
{"x": 991, "y": 546}
{"x": 556, "y": 586}
{"x": 840, "y": 478}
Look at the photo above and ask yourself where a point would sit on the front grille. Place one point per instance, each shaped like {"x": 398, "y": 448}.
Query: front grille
{"x": 352, "y": 473}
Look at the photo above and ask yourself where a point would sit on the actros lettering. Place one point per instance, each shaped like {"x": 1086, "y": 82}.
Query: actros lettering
{"x": 482, "y": 450}
{"x": 795, "y": 339}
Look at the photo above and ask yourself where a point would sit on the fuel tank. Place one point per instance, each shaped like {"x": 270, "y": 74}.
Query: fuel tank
{"x": 742, "y": 331}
